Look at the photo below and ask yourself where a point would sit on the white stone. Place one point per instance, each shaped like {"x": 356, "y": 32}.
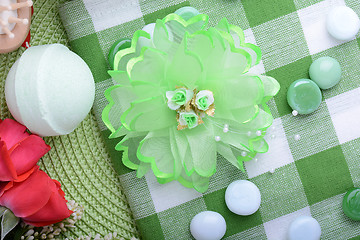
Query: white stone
{"x": 50, "y": 90}
{"x": 243, "y": 197}
{"x": 208, "y": 225}
{"x": 304, "y": 228}
{"x": 343, "y": 23}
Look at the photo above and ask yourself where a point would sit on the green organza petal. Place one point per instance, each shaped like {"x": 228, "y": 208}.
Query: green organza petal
{"x": 203, "y": 149}
{"x": 162, "y": 37}
{"x": 238, "y": 92}
{"x": 179, "y": 27}
{"x": 123, "y": 56}
{"x": 148, "y": 115}
{"x": 183, "y": 59}
{"x": 271, "y": 86}
{"x": 155, "y": 149}
{"x": 129, "y": 145}
{"x": 119, "y": 98}
{"x": 239, "y": 40}
{"x": 148, "y": 67}
{"x": 199, "y": 183}
{"x": 225, "y": 150}
{"x": 119, "y": 77}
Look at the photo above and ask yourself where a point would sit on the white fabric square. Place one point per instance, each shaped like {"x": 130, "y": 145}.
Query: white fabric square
{"x": 110, "y": 13}
{"x": 169, "y": 195}
{"x": 313, "y": 21}
{"x": 278, "y": 155}
{"x": 277, "y": 229}
{"x": 345, "y": 114}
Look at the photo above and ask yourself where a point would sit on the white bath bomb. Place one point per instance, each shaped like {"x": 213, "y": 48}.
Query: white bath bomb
{"x": 50, "y": 90}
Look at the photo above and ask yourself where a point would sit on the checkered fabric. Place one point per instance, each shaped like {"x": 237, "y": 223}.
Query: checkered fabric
{"x": 311, "y": 174}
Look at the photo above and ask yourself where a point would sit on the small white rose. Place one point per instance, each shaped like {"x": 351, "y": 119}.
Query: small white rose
{"x": 204, "y": 99}
{"x": 178, "y": 98}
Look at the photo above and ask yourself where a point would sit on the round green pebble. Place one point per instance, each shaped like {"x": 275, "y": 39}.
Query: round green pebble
{"x": 117, "y": 46}
{"x": 351, "y": 204}
{"x": 304, "y": 96}
{"x": 325, "y": 72}
{"x": 187, "y": 12}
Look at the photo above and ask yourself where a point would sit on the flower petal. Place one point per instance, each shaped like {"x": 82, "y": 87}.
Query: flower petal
{"x": 54, "y": 211}
{"x": 149, "y": 114}
{"x": 148, "y": 67}
{"x": 237, "y": 92}
{"x": 12, "y": 132}
{"x": 203, "y": 149}
{"x": 156, "y": 149}
{"x": 185, "y": 69}
{"x": 27, "y": 153}
{"x": 29, "y": 196}
{"x": 7, "y": 169}
{"x": 4, "y": 186}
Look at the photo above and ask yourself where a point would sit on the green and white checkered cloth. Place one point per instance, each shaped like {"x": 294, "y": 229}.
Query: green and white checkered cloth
{"x": 311, "y": 174}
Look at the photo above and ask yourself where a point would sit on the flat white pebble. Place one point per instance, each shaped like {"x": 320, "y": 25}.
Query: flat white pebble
{"x": 243, "y": 197}
{"x": 208, "y": 225}
{"x": 304, "y": 228}
{"x": 342, "y": 23}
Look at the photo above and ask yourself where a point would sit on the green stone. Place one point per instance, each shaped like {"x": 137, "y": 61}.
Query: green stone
{"x": 351, "y": 204}
{"x": 304, "y": 96}
{"x": 187, "y": 12}
{"x": 325, "y": 72}
{"x": 117, "y": 46}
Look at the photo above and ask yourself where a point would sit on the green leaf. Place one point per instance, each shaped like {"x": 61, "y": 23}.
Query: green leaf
{"x": 8, "y": 223}
{"x": 2, "y": 210}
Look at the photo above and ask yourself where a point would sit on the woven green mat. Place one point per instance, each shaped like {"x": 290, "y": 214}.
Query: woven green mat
{"x": 79, "y": 160}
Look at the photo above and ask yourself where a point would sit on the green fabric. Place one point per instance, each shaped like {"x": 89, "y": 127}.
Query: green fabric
{"x": 312, "y": 173}
{"x": 79, "y": 160}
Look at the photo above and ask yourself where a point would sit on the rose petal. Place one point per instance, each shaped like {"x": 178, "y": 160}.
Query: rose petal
{"x": 28, "y": 197}
{"x": 7, "y": 169}
{"x": 27, "y": 153}
{"x": 4, "y": 186}
{"x": 12, "y": 132}
{"x": 24, "y": 176}
{"x": 54, "y": 211}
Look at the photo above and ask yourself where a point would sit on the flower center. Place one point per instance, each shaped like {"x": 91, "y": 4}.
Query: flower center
{"x": 191, "y": 106}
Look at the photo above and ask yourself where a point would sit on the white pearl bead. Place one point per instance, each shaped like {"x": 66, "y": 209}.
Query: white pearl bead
{"x": 258, "y": 133}
{"x": 217, "y": 138}
{"x": 343, "y": 23}
{"x": 208, "y": 225}
{"x": 304, "y": 228}
{"x": 243, "y": 197}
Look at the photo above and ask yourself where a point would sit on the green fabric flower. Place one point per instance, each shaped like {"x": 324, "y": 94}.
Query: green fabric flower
{"x": 153, "y": 77}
